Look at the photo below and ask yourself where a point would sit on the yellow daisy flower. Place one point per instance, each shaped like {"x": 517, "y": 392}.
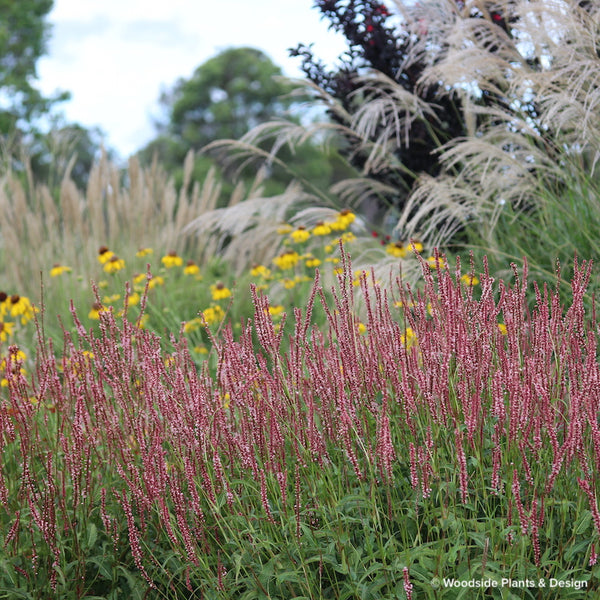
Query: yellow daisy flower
{"x": 57, "y": 270}
{"x": 408, "y": 338}
{"x": 213, "y": 314}
{"x": 104, "y": 254}
{"x": 434, "y": 262}
{"x": 219, "y": 291}
{"x": 469, "y": 279}
{"x": 172, "y": 260}
{"x": 156, "y": 280}
{"x": 344, "y": 219}
{"x": 114, "y": 264}
{"x": 276, "y": 310}
{"x": 20, "y": 306}
{"x": 133, "y": 299}
{"x": 260, "y": 271}
{"x": 287, "y": 260}
{"x": 397, "y": 249}
{"x": 191, "y": 268}
{"x": 300, "y": 235}
{"x": 321, "y": 228}
{"x": 6, "y": 330}
{"x": 95, "y": 311}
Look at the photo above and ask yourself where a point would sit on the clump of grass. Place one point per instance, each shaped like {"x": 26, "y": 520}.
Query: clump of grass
{"x": 455, "y": 436}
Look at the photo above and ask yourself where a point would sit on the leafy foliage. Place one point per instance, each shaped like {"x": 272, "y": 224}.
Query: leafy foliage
{"x": 23, "y": 37}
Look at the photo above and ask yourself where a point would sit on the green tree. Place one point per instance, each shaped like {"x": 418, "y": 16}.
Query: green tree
{"x": 226, "y": 96}
{"x": 51, "y": 153}
{"x": 24, "y": 34}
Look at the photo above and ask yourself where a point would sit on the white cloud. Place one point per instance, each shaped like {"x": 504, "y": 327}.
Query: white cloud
{"x": 115, "y": 56}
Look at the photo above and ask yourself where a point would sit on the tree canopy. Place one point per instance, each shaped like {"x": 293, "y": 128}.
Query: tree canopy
{"x": 24, "y": 33}
{"x": 226, "y": 96}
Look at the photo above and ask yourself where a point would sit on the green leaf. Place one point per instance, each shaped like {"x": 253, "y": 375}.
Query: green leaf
{"x": 104, "y": 567}
{"x": 136, "y": 585}
{"x": 290, "y": 577}
{"x": 92, "y": 535}
{"x": 583, "y": 522}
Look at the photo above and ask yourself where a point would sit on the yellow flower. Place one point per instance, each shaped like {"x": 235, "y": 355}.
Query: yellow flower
{"x": 300, "y": 235}
{"x": 200, "y": 349}
{"x": 133, "y": 299}
{"x": 260, "y": 271}
{"x": 226, "y": 400}
{"x": 213, "y": 314}
{"x": 139, "y": 278}
{"x": 144, "y": 252}
{"x": 191, "y": 268}
{"x": 114, "y": 264}
{"x": 408, "y": 338}
{"x": 172, "y": 260}
{"x": 287, "y": 260}
{"x": 312, "y": 262}
{"x": 329, "y": 248}
{"x": 104, "y": 254}
{"x": 111, "y": 299}
{"x": 357, "y": 276}
{"x": 348, "y": 237}
{"x": 12, "y": 374}
{"x": 397, "y": 249}
{"x": 4, "y": 302}
{"x": 57, "y": 270}
{"x": 469, "y": 279}
{"x": 6, "y": 330}
{"x": 192, "y": 325}
{"x": 344, "y": 219}
{"x": 95, "y": 311}
{"x": 502, "y": 328}
{"x": 321, "y": 228}
{"x": 276, "y": 310}
{"x": 141, "y": 322}
{"x": 157, "y": 280}
{"x": 288, "y": 283}
{"x": 434, "y": 262}
{"x": 219, "y": 291}
{"x": 284, "y": 229}
{"x": 415, "y": 246}
{"x": 361, "y": 327}
{"x": 20, "y": 306}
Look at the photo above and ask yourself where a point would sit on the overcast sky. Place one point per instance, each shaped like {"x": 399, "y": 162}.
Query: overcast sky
{"x": 115, "y": 56}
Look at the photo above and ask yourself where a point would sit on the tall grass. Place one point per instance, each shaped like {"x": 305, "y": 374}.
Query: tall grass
{"x": 39, "y": 229}
{"x": 523, "y": 181}
{"x": 455, "y": 439}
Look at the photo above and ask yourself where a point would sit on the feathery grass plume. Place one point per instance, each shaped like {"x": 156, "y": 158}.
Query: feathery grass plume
{"x": 379, "y": 126}
{"x": 246, "y": 233}
{"x": 524, "y": 181}
{"x": 147, "y": 212}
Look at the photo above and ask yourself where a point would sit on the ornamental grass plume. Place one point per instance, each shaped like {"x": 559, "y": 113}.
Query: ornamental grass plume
{"x": 120, "y": 454}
